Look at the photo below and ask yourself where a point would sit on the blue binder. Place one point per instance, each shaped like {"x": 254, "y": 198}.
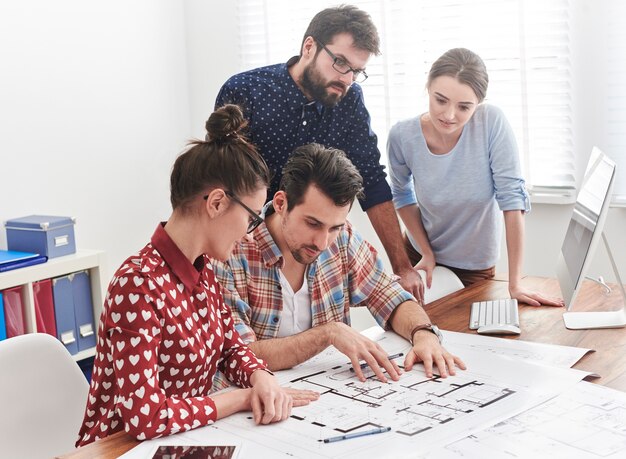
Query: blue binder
{"x": 13, "y": 260}
{"x": 64, "y": 312}
{"x": 83, "y": 310}
{"x": 3, "y": 327}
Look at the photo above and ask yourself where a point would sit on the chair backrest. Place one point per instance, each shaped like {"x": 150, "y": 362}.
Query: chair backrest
{"x": 444, "y": 283}
{"x": 43, "y": 395}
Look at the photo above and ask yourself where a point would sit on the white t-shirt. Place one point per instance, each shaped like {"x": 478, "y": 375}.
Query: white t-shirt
{"x": 296, "y": 316}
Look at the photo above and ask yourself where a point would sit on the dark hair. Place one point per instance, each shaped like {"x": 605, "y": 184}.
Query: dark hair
{"x": 344, "y": 19}
{"x": 327, "y": 168}
{"x": 226, "y": 159}
{"x": 464, "y": 65}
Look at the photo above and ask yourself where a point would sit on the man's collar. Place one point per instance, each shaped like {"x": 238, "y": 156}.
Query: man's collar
{"x": 270, "y": 252}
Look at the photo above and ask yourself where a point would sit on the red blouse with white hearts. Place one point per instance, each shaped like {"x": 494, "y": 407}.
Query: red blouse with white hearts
{"x": 164, "y": 331}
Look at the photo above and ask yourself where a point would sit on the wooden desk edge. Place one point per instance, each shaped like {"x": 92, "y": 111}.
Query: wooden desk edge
{"x": 111, "y": 447}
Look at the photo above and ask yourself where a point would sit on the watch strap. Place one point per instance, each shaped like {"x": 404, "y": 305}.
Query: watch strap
{"x": 417, "y": 328}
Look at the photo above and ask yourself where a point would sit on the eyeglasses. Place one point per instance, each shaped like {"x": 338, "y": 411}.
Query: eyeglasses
{"x": 341, "y": 65}
{"x": 256, "y": 218}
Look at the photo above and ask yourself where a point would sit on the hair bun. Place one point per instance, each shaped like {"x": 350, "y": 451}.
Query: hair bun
{"x": 225, "y": 123}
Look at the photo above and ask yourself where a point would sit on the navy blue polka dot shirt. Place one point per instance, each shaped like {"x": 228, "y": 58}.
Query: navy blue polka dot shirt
{"x": 281, "y": 118}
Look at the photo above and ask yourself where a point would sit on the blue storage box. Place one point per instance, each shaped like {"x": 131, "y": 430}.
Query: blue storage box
{"x": 43, "y": 234}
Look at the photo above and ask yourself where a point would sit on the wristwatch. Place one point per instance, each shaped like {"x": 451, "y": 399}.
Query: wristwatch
{"x": 430, "y": 327}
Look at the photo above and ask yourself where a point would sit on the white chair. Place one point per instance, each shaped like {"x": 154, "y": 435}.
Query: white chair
{"x": 444, "y": 283}
{"x": 43, "y": 395}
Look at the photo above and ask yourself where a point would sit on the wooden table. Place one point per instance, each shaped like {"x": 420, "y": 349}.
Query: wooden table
{"x": 539, "y": 324}
{"x": 545, "y": 324}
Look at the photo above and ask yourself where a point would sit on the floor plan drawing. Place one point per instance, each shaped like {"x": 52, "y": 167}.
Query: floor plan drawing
{"x": 588, "y": 421}
{"x": 422, "y": 412}
{"x": 410, "y": 406}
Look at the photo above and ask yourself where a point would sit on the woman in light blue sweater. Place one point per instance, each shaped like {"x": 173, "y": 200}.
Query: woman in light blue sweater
{"x": 453, "y": 171}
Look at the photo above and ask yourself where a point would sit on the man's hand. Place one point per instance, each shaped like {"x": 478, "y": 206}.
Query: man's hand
{"x": 427, "y": 349}
{"x": 534, "y": 298}
{"x": 269, "y": 402}
{"x": 411, "y": 281}
{"x": 426, "y": 264}
{"x": 358, "y": 347}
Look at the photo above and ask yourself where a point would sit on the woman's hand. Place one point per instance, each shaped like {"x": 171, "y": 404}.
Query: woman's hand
{"x": 270, "y": 402}
{"x": 534, "y": 298}
{"x": 301, "y": 397}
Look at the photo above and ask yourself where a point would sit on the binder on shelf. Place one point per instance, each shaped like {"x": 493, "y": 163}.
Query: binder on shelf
{"x": 10, "y": 259}
{"x": 64, "y": 312}
{"x": 13, "y": 312}
{"x": 11, "y": 256}
{"x": 44, "y": 307}
{"x": 83, "y": 310}
{"x": 3, "y": 328}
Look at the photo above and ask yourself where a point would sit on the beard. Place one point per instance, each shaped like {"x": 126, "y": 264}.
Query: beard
{"x": 315, "y": 87}
{"x": 301, "y": 256}
{"x": 298, "y": 252}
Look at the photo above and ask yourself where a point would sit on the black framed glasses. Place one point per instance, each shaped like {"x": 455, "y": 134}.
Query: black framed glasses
{"x": 256, "y": 218}
{"x": 341, "y": 65}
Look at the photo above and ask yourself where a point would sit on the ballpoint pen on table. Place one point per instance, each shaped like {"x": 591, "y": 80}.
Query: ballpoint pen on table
{"x": 363, "y": 433}
{"x": 390, "y": 357}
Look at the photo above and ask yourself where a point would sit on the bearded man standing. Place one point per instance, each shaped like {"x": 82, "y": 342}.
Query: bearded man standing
{"x": 316, "y": 97}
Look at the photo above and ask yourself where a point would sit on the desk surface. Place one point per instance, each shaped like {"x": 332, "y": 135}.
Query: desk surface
{"x": 543, "y": 325}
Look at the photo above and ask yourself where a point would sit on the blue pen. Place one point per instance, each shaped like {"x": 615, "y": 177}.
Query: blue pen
{"x": 390, "y": 357}
{"x": 363, "y": 433}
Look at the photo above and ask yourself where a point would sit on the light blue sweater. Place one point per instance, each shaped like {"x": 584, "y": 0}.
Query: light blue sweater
{"x": 457, "y": 192}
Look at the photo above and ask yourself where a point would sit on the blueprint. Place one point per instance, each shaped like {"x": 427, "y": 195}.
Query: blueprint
{"x": 423, "y": 413}
{"x": 588, "y": 421}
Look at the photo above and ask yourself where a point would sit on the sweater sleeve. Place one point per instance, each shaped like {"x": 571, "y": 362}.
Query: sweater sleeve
{"x": 510, "y": 187}
{"x": 399, "y": 172}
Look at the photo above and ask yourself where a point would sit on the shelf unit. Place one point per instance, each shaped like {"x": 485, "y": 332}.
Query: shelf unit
{"x": 83, "y": 260}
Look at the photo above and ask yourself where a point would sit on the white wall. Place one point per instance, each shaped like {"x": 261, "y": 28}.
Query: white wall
{"x": 212, "y": 55}
{"x": 97, "y": 99}
{"x": 93, "y": 110}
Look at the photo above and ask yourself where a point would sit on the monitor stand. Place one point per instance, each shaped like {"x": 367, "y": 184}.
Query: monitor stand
{"x": 604, "y": 319}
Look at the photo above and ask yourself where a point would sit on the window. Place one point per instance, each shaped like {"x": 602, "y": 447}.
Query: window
{"x": 616, "y": 96}
{"x": 527, "y": 50}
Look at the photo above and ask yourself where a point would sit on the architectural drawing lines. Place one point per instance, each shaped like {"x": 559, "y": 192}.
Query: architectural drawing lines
{"x": 419, "y": 403}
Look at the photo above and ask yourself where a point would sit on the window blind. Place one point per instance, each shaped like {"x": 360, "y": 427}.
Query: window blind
{"x": 525, "y": 46}
{"x": 616, "y": 96}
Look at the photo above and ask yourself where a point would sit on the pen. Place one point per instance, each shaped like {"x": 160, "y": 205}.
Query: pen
{"x": 390, "y": 357}
{"x": 377, "y": 430}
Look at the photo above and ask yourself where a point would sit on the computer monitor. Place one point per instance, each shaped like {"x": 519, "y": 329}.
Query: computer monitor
{"x": 582, "y": 238}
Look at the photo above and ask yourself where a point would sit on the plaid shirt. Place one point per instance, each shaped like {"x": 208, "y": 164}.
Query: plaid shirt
{"x": 348, "y": 273}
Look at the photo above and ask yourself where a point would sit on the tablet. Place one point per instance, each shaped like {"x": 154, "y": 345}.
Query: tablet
{"x": 225, "y": 451}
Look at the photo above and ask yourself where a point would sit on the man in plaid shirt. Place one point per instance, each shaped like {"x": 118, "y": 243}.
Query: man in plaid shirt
{"x": 292, "y": 283}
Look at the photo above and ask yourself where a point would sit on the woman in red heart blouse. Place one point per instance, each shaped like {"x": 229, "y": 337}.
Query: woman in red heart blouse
{"x": 164, "y": 328}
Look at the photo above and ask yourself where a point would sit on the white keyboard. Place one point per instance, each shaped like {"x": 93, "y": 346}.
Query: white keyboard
{"x": 494, "y": 312}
